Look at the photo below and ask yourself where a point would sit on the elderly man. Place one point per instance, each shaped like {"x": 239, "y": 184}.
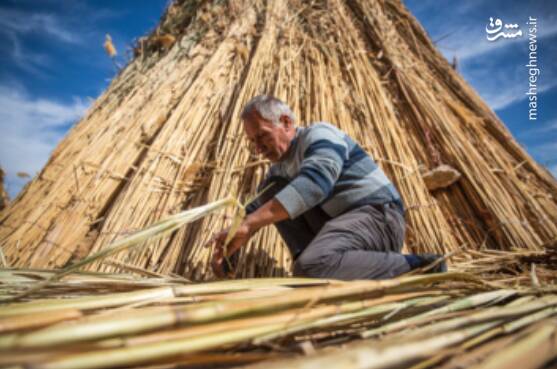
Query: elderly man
{"x": 340, "y": 216}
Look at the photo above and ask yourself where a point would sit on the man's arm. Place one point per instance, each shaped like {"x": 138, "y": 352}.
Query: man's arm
{"x": 271, "y": 212}
{"x": 324, "y": 158}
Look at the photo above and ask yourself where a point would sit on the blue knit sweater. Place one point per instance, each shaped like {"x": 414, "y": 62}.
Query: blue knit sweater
{"x": 327, "y": 168}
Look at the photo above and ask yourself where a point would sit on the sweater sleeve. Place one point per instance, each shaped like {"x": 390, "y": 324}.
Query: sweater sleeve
{"x": 325, "y": 153}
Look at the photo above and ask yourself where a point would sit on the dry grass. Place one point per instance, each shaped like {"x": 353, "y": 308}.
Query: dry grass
{"x": 100, "y": 320}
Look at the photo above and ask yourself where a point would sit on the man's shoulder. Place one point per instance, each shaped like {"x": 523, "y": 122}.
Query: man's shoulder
{"x": 322, "y": 126}
{"x": 322, "y": 130}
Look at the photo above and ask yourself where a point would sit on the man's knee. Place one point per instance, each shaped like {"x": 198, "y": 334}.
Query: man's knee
{"x": 314, "y": 264}
{"x": 299, "y": 268}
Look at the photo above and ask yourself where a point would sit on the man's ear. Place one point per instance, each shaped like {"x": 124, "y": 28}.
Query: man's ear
{"x": 286, "y": 121}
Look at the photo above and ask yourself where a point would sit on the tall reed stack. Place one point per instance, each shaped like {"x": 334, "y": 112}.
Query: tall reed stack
{"x": 4, "y": 199}
{"x": 166, "y": 136}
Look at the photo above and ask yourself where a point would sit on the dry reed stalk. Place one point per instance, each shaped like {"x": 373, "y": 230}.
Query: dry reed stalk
{"x": 533, "y": 351}
{"x": 71, "y": 325}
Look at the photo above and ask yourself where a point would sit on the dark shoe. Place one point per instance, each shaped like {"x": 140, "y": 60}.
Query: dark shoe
{"x": 418, "y": 261}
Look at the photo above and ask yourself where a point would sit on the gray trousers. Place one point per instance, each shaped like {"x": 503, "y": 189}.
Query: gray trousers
{"x": 363, "y": 243}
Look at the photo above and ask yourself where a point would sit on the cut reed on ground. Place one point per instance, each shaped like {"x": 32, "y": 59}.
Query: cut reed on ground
{"x": 101, "y": 320}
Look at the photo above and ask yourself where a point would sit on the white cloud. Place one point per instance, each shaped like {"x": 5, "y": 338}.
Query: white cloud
{"x": 545, "y": 152}
{"x": 495, "y": 69}
{"x": 18, "y": 22}
{"x": 502, "y": 79}
{"x": 30, "y": 128}
{"x": 491, "y": 67}
{"x": 505, "y": 91}
{"x": 541, "y": 129}
{"x": 469, "y": 41}
{"x": 462, "y": 31}
{"x": 27, "y": 60}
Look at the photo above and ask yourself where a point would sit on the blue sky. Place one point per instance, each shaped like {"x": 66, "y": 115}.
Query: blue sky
{"x": 52, "y": 65}
{"x": 497, "y": 70}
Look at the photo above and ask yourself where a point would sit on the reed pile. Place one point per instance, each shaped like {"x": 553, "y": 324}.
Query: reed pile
{"x": 4, "y": 199}
{"x": 458, "y": 319}
{"x": 166, "y": 136}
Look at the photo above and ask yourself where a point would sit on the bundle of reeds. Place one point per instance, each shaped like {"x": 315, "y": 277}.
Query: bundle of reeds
{"x": 451, "y": 320}
{"x": 166, "y": 136}
{"x": 4, "y": 199}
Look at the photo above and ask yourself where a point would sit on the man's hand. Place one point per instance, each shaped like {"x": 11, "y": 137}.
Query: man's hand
{"x": 271, "y": 212}
{"x": 242, "y": 236}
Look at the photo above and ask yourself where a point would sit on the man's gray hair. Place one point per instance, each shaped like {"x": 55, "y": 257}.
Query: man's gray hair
{"x": 269, "y": 107}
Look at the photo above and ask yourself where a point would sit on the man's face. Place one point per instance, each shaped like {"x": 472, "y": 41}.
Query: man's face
{"x": 271, "y": 141}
